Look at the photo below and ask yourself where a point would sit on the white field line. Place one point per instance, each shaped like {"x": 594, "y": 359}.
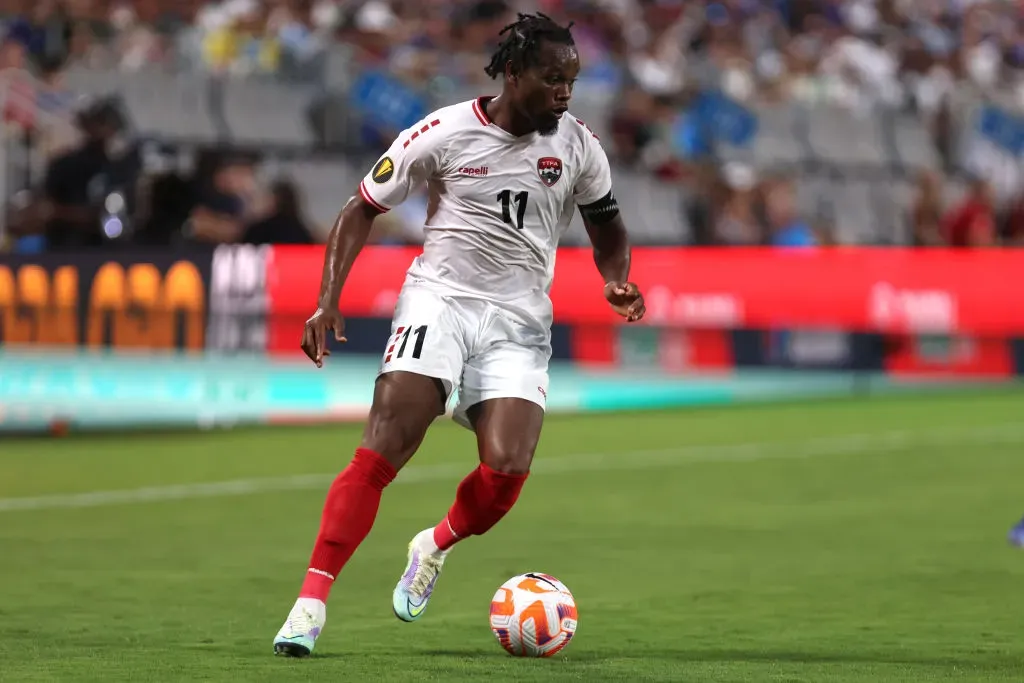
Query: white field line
{"x": 846, "y": 444}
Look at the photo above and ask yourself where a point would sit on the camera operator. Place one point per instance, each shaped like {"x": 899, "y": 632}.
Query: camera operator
{"x": 89, "y": 191}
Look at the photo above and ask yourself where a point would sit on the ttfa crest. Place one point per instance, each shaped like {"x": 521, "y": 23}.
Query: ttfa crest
{"x": 549, "y": 169}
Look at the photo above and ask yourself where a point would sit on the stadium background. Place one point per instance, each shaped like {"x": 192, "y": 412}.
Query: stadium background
{"x": 826, "y": 202}
{"x": 742, "y": 134}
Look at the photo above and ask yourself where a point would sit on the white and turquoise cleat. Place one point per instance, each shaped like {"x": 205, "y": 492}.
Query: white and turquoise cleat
{"x": 417, "y": 583}
{"x": 301, "y": 629}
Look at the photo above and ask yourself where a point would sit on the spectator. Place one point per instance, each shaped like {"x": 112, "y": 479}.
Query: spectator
{"x": 926, "y": 213}
{"x": 220, "y": 41}
{"x": 284, "y": 223}
{"x": 78, "y": 182}
{"x": 785, "y": 227}
{"x": 641, "y": 134}
{"x": 53, "y": 130}
{"x": 46, "y": 34}
{"x": 1013, "y": 234}
{"x": 13, "y": 53}
{"x": 736, "y": 221}
{"x": 972, "y": 222}
{"x": 700, "y": 206}
{"x": 135, "y": 43}
{"x": 290, "y": 28}
{"x": 53, "y": 96}
{"x": 166, "y": 209}
{"x": 19, "y": 98}
{"x": 226, "y": 199}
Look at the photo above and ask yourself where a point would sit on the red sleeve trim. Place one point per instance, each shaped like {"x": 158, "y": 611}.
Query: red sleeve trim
{"x": 370, "y": 200}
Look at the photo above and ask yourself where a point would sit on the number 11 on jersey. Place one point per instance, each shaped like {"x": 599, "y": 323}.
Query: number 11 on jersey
{"x": 506, "y": 199}
{"x": 401, "y": 340}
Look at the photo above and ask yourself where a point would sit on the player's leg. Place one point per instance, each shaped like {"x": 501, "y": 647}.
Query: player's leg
{"x": 507, "y": 431}
{"x": 502, "y": 399}
{"x": 404, "y": 406}
{"x": 409, "y": 394}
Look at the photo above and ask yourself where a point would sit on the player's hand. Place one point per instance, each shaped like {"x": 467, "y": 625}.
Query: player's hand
{"x": 626, "y": 300}
{"x": 314, "y": 337}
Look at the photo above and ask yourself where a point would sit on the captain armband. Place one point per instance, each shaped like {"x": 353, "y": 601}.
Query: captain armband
{"x": 603, "y": 210}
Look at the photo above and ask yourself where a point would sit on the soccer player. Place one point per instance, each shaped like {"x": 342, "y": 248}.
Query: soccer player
{"x": 504, "y": 175}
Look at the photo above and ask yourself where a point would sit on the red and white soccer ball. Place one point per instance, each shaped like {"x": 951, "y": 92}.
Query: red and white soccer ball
{"x": 533, "y": 615}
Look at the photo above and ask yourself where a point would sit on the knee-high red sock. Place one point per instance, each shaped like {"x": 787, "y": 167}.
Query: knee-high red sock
{"x": 481, "y": 501}
{"x": 348, "y": 516}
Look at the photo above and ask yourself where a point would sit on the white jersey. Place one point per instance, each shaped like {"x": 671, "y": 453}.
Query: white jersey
{"x": 498, "y": 204}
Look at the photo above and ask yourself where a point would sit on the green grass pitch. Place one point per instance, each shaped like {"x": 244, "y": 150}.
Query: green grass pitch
{"x": 850, "y": 540}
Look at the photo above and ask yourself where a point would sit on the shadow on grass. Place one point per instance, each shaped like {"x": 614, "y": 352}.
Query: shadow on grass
{"x": 980, "y": 660}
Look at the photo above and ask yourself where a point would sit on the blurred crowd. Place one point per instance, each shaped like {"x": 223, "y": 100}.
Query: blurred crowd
{"x": 740, "y": 209}
{"x": 107, "y": 190}
{"x": 845, "y": 51}
{"x": 656, "y": 56}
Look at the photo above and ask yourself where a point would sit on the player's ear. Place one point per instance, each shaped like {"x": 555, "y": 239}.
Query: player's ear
{"x": 510, "y": 76}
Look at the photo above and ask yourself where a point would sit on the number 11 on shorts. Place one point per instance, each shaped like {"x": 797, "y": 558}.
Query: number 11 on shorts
{"x": 401, "y": 340}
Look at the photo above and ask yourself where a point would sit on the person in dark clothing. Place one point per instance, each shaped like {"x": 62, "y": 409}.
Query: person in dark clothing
{"x": 284, "y": 224}
{"x": 225, "y": 185}
{"x": 168, "y": 201}
{"x": 78, "y": 181}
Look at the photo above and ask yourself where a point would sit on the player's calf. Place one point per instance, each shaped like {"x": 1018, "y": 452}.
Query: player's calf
{"x": 348, "y": 515}
{"x": 482, "y": 499}
{"x": 507, "y": 431}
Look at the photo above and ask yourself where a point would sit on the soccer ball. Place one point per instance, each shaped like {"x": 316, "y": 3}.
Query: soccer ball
{"x": 533, "y": 615}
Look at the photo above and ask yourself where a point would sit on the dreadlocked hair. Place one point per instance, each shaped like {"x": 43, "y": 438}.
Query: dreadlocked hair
{"x": 521, "y": 46}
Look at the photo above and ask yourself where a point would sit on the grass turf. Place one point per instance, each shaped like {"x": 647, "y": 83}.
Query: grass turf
{"x": 834, "y": 541}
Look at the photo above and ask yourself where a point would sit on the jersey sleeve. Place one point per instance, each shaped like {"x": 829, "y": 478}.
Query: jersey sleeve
{"x": 414, "y": 156}
{"x": 595, "y": 179}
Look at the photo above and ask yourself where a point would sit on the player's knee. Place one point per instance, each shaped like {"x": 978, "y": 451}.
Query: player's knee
{"x": 403, "y": 408}
{"x": 392, "y": 434}
{"x": 508, "y": 451}
{"x": 508, "y": 458}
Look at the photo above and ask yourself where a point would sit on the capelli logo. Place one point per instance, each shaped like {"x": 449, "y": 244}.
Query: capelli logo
{"x": 474, "y": 170}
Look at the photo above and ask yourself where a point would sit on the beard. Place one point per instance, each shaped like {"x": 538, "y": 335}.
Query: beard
{"x": 547, "y": 127}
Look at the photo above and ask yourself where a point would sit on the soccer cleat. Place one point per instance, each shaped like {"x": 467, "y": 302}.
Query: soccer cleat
{"x": 301, "y": 629}
{"x": 417, "y": 583}
{"x": 1016, "y": 535}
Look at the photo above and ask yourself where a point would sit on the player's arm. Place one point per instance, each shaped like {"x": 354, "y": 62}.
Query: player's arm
{"x": 608, "y": 236}
{"x": 347, "y": 238}
{"x": 412, "y": 158}
{"x": 607, "y": 232}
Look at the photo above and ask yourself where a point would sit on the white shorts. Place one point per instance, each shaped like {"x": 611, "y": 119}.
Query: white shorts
{"x": 483, "y": 350}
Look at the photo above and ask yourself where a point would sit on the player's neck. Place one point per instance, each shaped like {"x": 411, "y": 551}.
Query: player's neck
{"x": 501, "y": 113}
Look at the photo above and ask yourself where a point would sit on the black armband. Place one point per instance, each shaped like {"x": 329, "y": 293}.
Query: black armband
{"x": 603, "y": 210}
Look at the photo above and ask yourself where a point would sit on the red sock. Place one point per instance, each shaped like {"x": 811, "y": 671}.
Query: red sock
{"x": 349, "y": 512}
{"x": 481, "y": 501}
